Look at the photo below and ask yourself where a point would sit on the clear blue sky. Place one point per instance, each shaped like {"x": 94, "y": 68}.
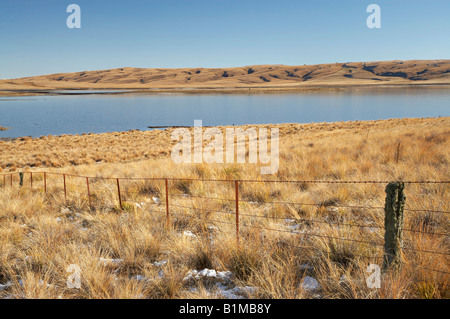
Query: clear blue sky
{"x": 34, "y": 38}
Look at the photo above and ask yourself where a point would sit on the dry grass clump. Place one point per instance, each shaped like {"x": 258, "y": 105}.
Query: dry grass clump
{"x": 290, "y": 237}
{"x": 328, "y": 150}
{"x": 135, "y": 254}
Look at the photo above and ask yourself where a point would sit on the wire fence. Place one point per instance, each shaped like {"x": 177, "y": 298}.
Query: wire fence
{"x": 173, "y": 196}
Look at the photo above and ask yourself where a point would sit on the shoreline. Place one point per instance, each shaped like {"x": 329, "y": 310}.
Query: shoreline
{"x": 166, "y": 128}
{"x": 324, "y": 88}
{"x": 136, "y": 145}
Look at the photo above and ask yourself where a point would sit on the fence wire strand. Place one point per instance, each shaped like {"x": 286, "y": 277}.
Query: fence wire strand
{"x": 44, "y": 180}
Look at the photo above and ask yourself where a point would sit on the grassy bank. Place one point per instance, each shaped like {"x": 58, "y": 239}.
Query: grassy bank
{"x": 362, "y": 147}
{"x": 134, "y": 253}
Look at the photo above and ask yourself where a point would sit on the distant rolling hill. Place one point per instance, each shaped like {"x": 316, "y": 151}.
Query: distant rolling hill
{"x": 333, "y": 74}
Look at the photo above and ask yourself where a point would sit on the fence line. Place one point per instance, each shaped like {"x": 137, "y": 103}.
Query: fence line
{"x": 232, "y": 180}
{"x": 8, "y": 179}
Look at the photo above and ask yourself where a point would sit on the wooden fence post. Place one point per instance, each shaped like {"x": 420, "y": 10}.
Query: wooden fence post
{"x": 393, "y": 223}
{"x": 397, "y": 153}
{"x": 45, "y": 182}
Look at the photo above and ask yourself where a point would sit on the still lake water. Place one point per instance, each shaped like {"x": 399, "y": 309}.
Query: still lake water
{"x": 75, "y": 114}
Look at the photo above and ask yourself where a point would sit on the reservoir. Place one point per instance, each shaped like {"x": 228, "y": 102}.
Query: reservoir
{"x": 98, "y": 113}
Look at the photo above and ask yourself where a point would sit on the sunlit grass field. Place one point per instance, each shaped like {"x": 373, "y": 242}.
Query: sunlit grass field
{"x": 296, "y": 240}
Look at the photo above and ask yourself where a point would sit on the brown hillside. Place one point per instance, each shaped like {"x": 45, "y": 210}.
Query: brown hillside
{"x": 335, "y": 74}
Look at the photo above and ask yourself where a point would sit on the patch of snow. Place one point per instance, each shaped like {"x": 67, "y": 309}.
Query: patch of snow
{"x": 224, "y": 275}
{"x": 160, "y": 263}
{"x": 236, "y": 292}
{"x": 156, "y": 200}
{"x": 293, "y": 227}
{"x": 309, "y": 283}
{"x": 188, "y": 233}
{"x": 223, "y": 283}
{"x": 6, "y": 286}
{"x": 230, "y": 293}
{"x": 208, "y": 273}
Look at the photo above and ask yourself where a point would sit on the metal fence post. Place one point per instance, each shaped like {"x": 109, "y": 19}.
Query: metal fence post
{"x": 118, "y": 191}
{"x": 167, "y": 203}
{"x": 393, "y": 222}
{"x": 20, "y": 179}
{"x": 65, "y": 187}
{"x": 45, "y": 182}
{"x": 236, "y": 186}
{"x": 89, "y": 192}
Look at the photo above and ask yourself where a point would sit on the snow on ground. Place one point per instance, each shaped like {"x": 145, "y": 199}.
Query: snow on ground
{"x": 188, "y": 233}
{"x": 220, "y": 283}
{"x": 309, "y": 284}
{"x": 236, "y": 292}
{"x": 160, "y": 263}
{"x": 208, "y": 273}
{"x": 4, "y": 287}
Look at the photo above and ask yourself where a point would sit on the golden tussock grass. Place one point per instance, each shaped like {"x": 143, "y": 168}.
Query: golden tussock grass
{"x": 134, "y": 253}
